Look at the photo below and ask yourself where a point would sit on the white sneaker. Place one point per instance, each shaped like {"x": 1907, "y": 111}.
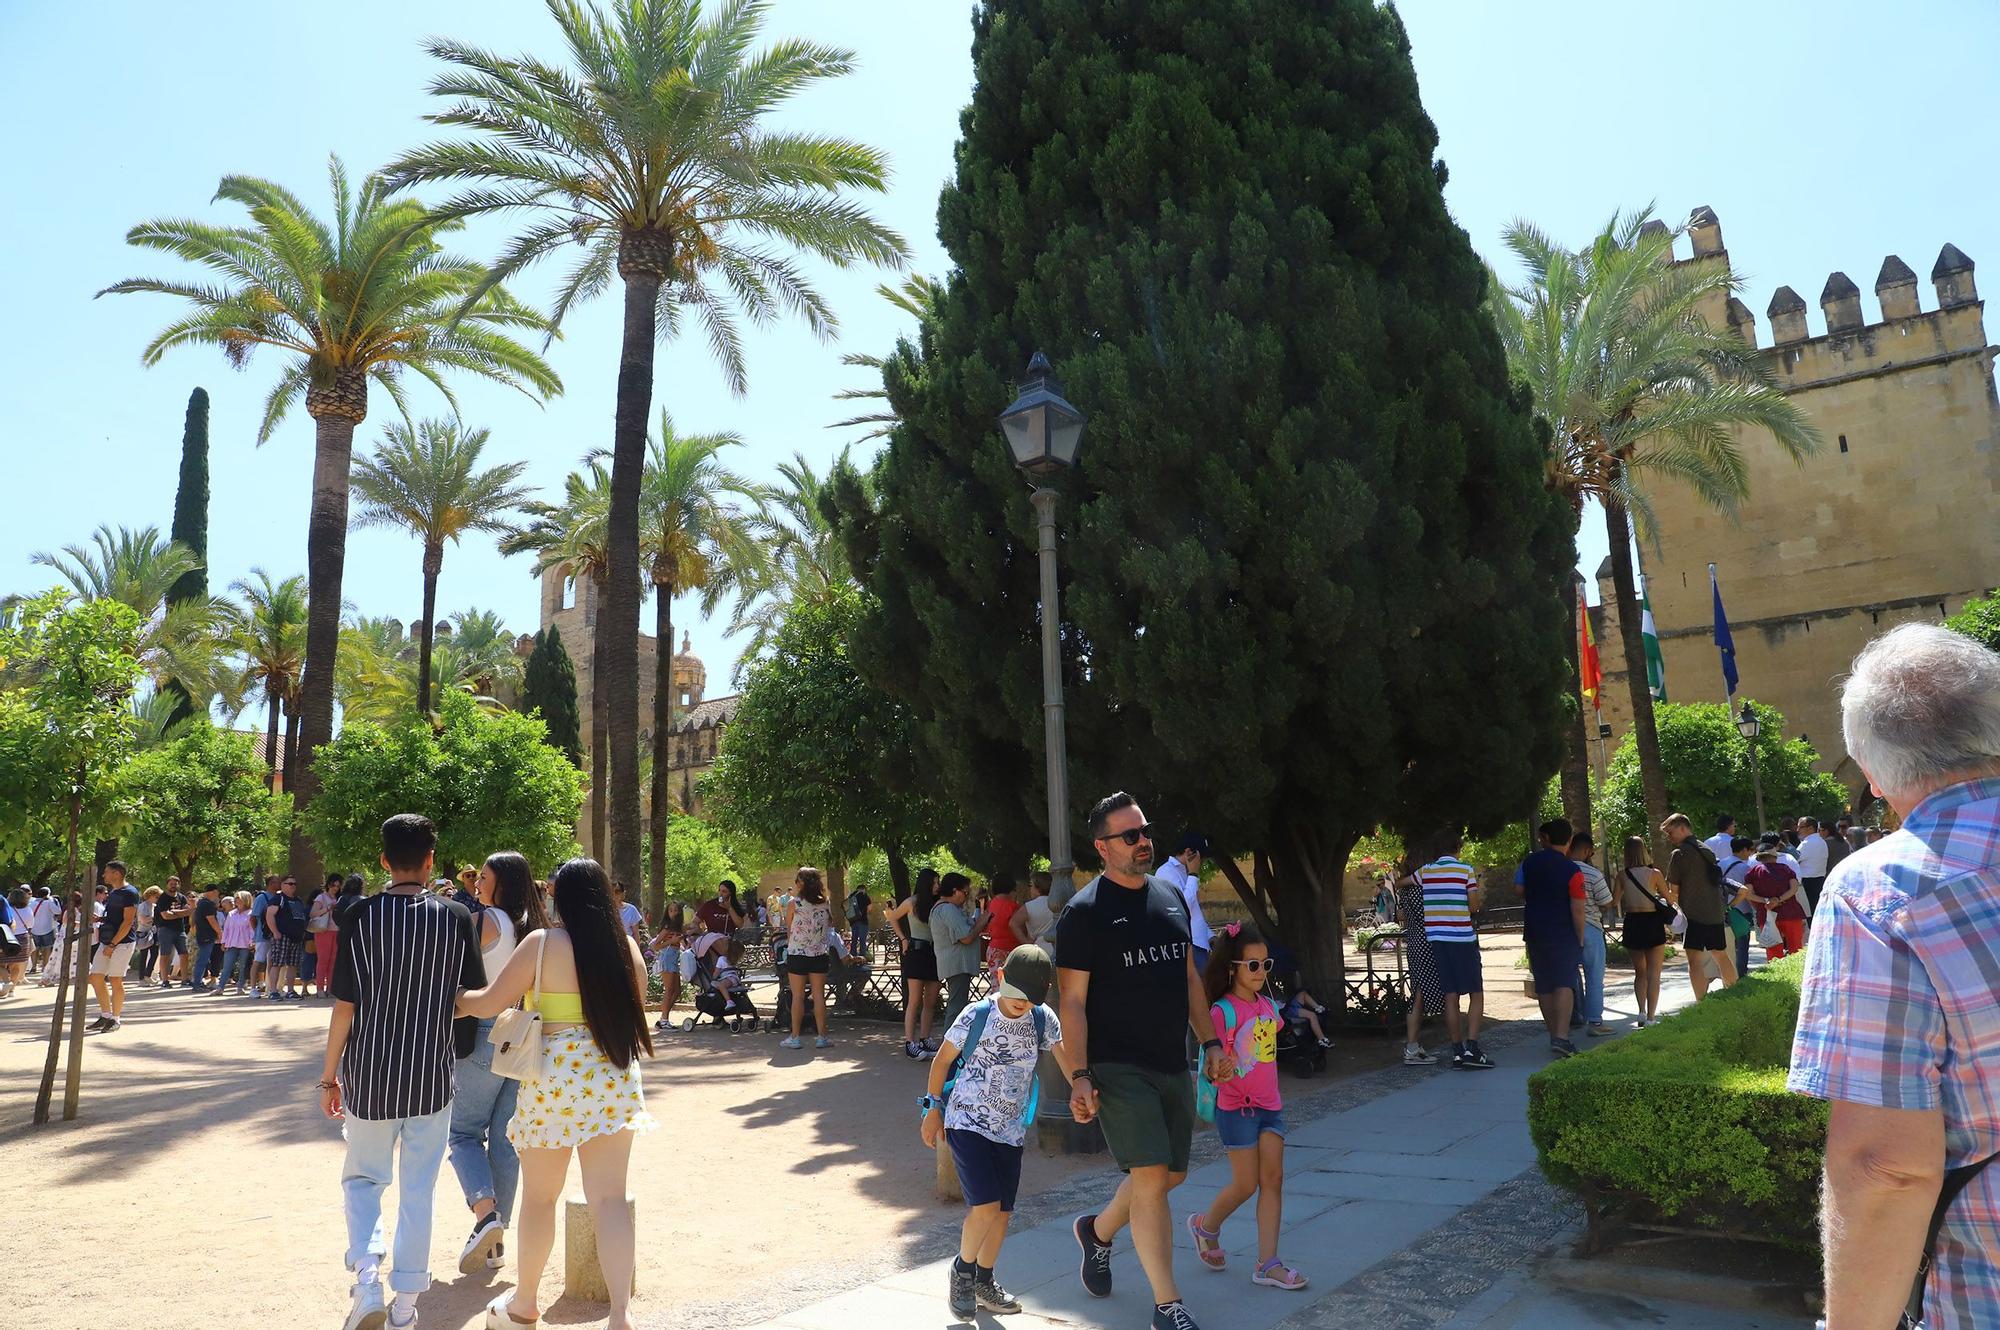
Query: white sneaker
{"x": 486, "y": 1235}
{"x": 1418, "y": 1056}
{"x": 368, "y": 1311}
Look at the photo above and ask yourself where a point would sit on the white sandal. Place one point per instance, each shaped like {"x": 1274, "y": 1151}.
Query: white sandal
{"x": 499, "y": 1317}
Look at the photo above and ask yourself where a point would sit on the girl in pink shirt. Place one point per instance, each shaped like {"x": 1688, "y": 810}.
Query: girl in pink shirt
{"x": 1249, "y": 1112}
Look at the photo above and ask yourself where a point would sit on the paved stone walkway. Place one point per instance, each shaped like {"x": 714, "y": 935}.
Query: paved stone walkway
{"x": 1412, "y": 1201}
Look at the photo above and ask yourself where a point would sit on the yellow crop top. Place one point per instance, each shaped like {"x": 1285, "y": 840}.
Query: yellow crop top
{"x": 558, "y": 1008}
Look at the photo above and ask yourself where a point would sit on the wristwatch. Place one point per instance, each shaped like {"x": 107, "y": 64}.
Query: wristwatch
{"x": 1207, "y": 1044}
{"x": 927, "y": 1102}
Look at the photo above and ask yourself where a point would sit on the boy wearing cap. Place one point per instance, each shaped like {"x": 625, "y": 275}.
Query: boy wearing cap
{"x": 985, "y": 1119}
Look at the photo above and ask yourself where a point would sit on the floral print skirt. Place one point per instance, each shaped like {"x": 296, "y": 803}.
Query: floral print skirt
{"x": 580, "y": 1095}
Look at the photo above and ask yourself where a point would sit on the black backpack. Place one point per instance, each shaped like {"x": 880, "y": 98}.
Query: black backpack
{"x": 291, "y": 918}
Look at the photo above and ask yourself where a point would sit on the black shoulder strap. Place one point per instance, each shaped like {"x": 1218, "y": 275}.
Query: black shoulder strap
{"x": 1955, "y": 1181}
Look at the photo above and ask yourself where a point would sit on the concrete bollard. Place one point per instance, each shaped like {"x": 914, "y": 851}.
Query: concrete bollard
{"x": 947, "y": 1173}
{"x": 583, "y": 1276}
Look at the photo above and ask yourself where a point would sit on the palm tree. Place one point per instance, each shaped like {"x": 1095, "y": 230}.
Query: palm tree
{"x": 693, "y": 536}
{"x": 370, "y": 297}
{"x": 271, "y": 640}
{"x": 1637, "y": 386}
{"x": 917, "y": 295}
{"x": 180, "y": 643}
{"x": 426, "y": 480}
{"x": 483, "y": 661}
{"x": 648, "y": 149}
{"x": 805, "y": 561}
{"x": 371, "y": 681}
{"x": 571, "y": 536}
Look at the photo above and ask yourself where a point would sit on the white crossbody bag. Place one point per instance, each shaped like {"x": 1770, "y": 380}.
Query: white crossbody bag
{"x": 517, "y": 1033}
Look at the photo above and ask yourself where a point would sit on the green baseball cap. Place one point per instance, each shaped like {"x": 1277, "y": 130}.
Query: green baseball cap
{"x": 1027, "y": 974}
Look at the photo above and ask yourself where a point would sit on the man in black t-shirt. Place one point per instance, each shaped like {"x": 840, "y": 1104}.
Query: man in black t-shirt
{"x": 404, "y": 957}
{"x": 114, "y": 947}
{"x": 170, "y": 921}
{"x": 207, "y": 936}
{"x": 1130, "y": 993}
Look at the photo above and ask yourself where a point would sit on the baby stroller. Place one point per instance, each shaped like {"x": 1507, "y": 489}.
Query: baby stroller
{"x": 733, "y": 1010}
{"x": 1298, "y": 1051}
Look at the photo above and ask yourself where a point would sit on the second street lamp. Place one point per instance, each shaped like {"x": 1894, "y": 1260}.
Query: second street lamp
{"x": 1750, "y": 726}
{"x": 1043, "y": 431}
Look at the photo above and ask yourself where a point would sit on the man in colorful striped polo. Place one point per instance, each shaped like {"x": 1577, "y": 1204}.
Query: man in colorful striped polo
{"x": 1451, "y": 893}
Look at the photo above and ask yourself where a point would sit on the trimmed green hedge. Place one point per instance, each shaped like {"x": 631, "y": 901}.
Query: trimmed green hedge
{"x": 1689, "y": 1120}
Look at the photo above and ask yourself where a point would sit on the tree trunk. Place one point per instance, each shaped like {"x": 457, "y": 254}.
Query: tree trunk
{"x": 1306, "y": 889}
{"x": 663, "y": 724}
{"x": 271, "y": 744}
{"x": 326, "y": 557}
{"x": 1652, "y": 776}
{"x": 1576, "y": 762}
{"x": 291, "y": 742}
{"x": 620, "y": 607}
{"x": 72, "y": 926}
{"x": 600, "y": 731}
{"x": 433, "y": 565}
{"x": 899, "y": 873}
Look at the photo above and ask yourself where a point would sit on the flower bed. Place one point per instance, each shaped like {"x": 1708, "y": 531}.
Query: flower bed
{"x": 1688, "y": 1124}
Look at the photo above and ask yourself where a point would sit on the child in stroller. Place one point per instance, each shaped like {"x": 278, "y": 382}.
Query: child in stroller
{"x": 1302, "y": 1043}
{"x": 720, "y": 993}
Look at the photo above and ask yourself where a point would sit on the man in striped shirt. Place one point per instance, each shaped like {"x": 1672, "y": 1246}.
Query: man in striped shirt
{"x": 404, "y": 956}
{"x": 1452, "y": 892}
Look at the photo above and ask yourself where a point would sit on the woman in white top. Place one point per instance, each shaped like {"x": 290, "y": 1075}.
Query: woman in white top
{"x": 489, "y": 1170}
{"x": 808, "y": 916}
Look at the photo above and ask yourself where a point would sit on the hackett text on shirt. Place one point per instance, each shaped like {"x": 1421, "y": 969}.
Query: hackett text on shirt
{"x": 1172, "y": 951}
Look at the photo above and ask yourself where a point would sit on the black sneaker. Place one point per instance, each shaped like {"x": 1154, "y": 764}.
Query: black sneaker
{"x": 1458, "y": 1055}
{"x": 1096, "y": 1268}
{"x": 486, "y": 1235}
{"x": 992, "y": 1297}
{"x": 1562, "y": 1048}
{"x": 1475, "y": 1059}
{"x": 101, "y": 1023}
{"x": 964, "y": 1301}
{"x": 1173, "y": 1316}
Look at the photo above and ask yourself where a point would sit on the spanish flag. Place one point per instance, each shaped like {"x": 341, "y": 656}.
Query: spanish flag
{"x": 1588, "y": 666}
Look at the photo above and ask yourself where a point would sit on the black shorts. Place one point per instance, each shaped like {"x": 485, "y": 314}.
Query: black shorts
{"x": 987, "y": 1170}
{"x": 1556, "y": 966}
{"x": 1707, "y": 937}
{"x": 797, "y": 964}
{"x": 920, "y": 962}
{"x": 1458, "y": 967}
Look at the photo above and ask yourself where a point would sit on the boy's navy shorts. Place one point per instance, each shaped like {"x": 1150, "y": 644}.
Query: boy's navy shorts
{"x": 987, "y": 1170}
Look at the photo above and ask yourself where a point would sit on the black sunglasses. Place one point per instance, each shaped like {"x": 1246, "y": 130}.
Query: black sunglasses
{"x": 1132, "y": 837}
{"x": 1258, "y": 966}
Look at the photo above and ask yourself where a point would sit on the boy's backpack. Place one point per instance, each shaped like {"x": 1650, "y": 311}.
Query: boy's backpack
{"x": 291, "y": 918}
{"x": 980, "y": 1011}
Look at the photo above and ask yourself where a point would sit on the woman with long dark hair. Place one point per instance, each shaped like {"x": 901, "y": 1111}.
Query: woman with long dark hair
{"x": 910, "y": 917}
{"x": 587, "y": 979}
{"x": 807, "y": 922}
{"x": 482, "y": 1104}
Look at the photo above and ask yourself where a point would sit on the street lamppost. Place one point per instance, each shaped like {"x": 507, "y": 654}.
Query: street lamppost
{"x": 1042, "y": 431}
{"x": 1750, "y": 727}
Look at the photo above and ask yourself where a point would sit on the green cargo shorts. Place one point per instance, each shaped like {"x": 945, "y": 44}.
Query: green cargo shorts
{"x": 1147, "y": 1115}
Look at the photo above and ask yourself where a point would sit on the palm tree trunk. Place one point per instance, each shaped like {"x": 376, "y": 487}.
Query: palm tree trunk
{"x": 1576, "y": 761}
{"x": 271, "y": 744}
{"x": 663, "y": 716}
{"x": 600, "y": 729}
{"x": 1652, "y": 776}
{"x": 291, "y": 742}
{"x": 433, "y": 565}
{"x": 326, "y": 559}
{"x": 620, "y": 610}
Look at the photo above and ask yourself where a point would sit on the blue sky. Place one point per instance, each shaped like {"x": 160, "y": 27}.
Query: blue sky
{"x": 1824, "y": 135}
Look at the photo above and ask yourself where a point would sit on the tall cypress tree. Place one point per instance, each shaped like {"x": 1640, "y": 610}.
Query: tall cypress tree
{"x": 1311, "y": 572}
{"x": 548, "y": 685}
{"x": 191, "y": 521}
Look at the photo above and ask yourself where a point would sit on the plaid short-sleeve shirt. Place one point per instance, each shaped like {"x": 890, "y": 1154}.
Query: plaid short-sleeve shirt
{"x": 1900, "y": 1011}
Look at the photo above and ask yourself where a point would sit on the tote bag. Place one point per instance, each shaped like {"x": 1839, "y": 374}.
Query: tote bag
{"x": 517, "y": 1034}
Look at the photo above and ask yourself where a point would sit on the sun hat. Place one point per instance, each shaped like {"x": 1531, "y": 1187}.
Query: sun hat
{"x": 1027, "y": 974}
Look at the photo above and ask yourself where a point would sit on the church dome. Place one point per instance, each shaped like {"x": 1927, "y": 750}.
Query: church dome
{"x": 690, "y": 675}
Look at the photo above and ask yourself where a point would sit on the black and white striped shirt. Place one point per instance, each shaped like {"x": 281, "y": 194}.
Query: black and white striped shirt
{"x": 402, "y": 961}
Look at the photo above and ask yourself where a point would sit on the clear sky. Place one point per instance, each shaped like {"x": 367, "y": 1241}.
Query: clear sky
{"x": 1824, "y": 135}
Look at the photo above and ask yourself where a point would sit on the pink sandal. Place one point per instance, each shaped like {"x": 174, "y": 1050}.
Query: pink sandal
{"x": 1207, "y": 1245}
{"x": 1276, "y": 1274}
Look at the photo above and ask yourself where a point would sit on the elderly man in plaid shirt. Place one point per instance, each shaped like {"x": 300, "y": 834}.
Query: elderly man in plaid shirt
{"x": 1900, "y": 1022}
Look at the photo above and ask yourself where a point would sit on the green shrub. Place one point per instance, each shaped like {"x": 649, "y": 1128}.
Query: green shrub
{"x": 1690, "y": 1120}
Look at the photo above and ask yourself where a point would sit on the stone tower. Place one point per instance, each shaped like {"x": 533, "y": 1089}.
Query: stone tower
{"x": 1893, "y": 521}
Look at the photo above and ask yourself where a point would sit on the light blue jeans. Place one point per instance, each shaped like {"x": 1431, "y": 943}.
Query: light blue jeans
{"x": 481, "y": 1106}
{"x": 371, "y": 1163}
{"x": 1593, "y": 975}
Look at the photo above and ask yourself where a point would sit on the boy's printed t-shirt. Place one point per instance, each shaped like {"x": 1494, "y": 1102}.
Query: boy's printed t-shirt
{"x": 1254, "y": 1043}
{"x": 1447, "y": 886}
{"x": 991, "y": 1096}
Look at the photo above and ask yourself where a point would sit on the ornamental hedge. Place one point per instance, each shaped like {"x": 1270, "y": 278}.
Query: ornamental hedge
{"x": 1689, "y": 1121}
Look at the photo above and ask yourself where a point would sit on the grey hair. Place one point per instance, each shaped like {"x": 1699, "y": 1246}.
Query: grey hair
{"x": 1922, "y": 706}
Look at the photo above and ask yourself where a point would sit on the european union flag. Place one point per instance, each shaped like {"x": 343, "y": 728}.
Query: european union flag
{"x": 1724, "y": 643}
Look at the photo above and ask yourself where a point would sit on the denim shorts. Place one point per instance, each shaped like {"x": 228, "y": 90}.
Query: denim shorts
{"x": 1240, "y": 1128}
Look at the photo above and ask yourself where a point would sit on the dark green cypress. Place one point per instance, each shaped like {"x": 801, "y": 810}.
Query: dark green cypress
{"x": 1311, "y": 573}
{"x": 191, "y": 498}
{"x": 548, "y": 686}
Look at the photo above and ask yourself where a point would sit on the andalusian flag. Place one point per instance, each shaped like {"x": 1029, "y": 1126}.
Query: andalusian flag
{"x": 1589, "y": 667}
{"x": 1656, "y": 668}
